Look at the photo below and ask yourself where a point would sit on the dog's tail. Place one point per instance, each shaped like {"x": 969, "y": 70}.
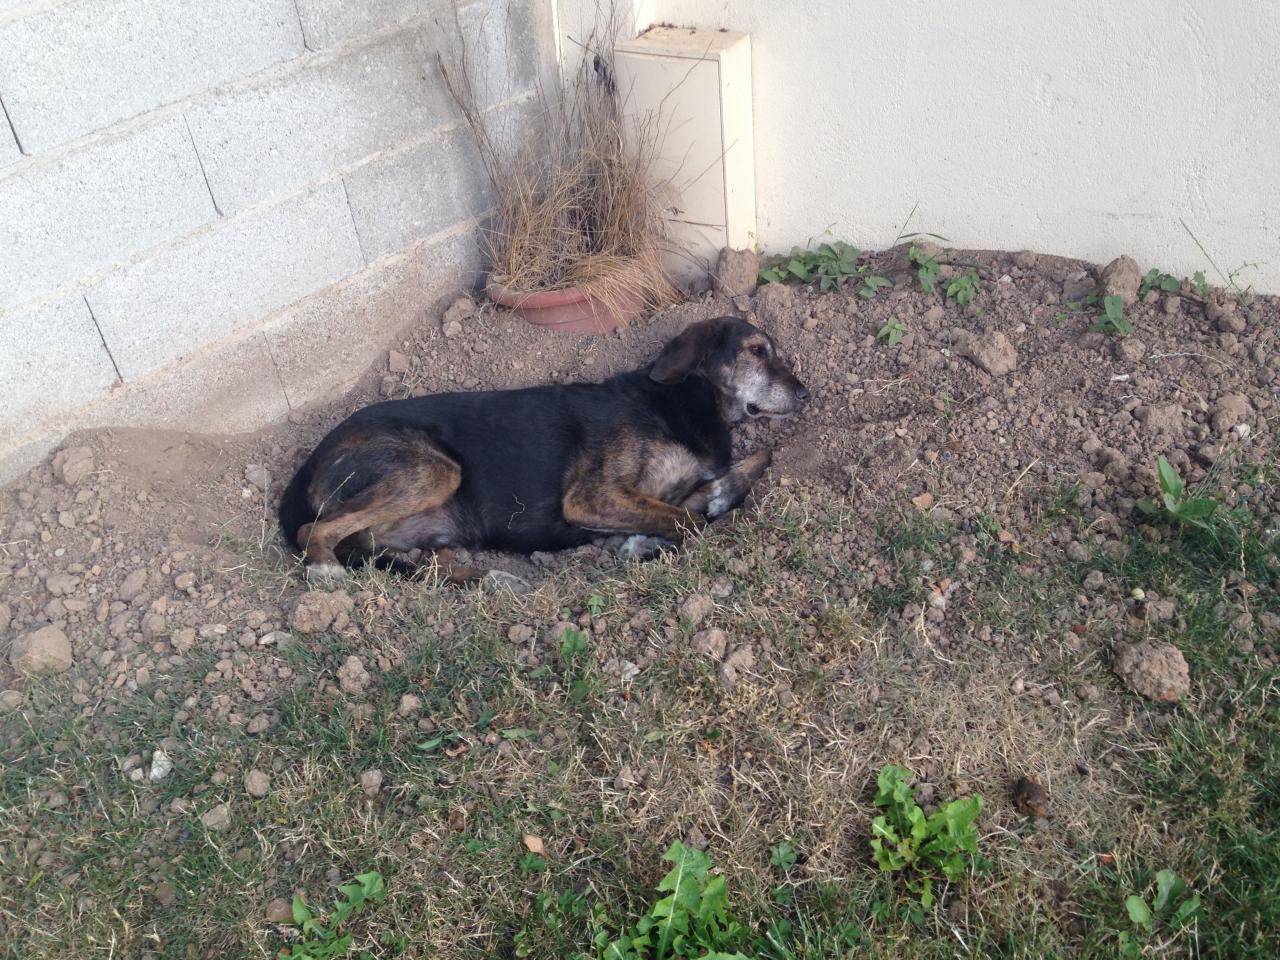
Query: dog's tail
{"x": 295, "y": 509}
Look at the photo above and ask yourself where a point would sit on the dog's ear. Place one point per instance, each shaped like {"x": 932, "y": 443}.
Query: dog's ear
{"x": 681, "y": 356}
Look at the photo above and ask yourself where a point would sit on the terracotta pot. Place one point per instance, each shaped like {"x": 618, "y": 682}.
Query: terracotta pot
{"x": 570, "y": 311}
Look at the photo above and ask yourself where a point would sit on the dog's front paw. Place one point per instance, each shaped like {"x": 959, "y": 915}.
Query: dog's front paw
{"x": 641, "y": 547}
{"x": 322, "y": 574}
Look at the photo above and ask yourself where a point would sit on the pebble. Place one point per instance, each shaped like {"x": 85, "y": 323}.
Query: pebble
{"x": 257, "y": 784}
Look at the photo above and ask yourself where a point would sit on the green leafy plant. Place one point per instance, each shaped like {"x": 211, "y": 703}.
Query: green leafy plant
{"x": 1170, "y": 910}
{"x": 872, "y": 284}
{"x": 1155, "y": 280}
{"x": 829, "y": 265}
{"x": 1174, "y": 501}
{"x": 572, "y": 643}
{"x": 926, "y": 268}
{"x": 327, "y": 939}
{"x": 1113, "y": 320}
{"x": 692, "y": 920}
{"x": 964, "y": 287}
{"x": 595, "y": 604}
{"x": 783, "y": 856}
{"x": 892, "y": 332}
{"x": 1198, "y": 281}
{"x": 904, "y": 839}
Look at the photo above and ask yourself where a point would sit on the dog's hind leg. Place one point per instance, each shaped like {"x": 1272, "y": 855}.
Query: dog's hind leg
{"x": 717, "y": 497}
{"x": 604, "y": 508}
{"x": 416, "y": 477}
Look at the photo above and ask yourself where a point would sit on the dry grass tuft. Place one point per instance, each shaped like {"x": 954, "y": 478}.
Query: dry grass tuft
{"x": 577, "y": 204}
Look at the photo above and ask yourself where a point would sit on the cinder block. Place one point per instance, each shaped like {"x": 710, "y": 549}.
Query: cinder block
{"x": 53, "y": 361}
{"x": 328, "y": 22}
{"x": 78, "y": 67}
{"x": 502, "y": 43}
{"x": 260, "y": 142}
{"x": 326, "y": 343}
{"x": 98, "y": 206}
{"x": 9, "y": 152}
{"x": 414, "y": 193}
{"x": 220, "y": 282}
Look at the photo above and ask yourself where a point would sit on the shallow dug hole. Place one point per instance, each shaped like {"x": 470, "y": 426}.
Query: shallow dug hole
{"x": 937, "y": 573}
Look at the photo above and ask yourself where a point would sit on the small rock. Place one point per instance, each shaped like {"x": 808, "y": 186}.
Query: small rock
{"x": 534, "y": 844}
{"x": 1155, "y": 670}
{"x": 161, "y": 766}
{"x": 258, "y": 475}
{"x": 352, "y": 677}
{"x": 46, "y": 650}
{"x": 397, "y": 362}
{"x": 166, "y": 894}
{"x": 316, "y": 611}
{"x": 61, "y": 584}
{"x": 696, "y": 608}
{"x": 409, "y": 705}
{"x": 1078, "y": 552}
{"x": 132, "y": 585}
{"x": 1161, "y": 418}
{"x": 994, "y": 353}
{"x": 184, "y": 581}
{"x": 1159, "y": 609}
{"x": 737, "y": 273}
{"x": 260, "y": 723}
{"x": 371, "y": 782}
{"x": 217, "y": 818}
{"x": 1231, "y": 409}
{"x": 10, "y": 700}
{"x": 742, "y": 658}
{"x": 1030, "y": 798}
{"x": 710, "y": 643}
{"x": 257, "y": 784}
{"x": 72, "y": 466}
{"x": 1121, "y": 278}
{"x": 278, "y": 910}
{"x": 1130, "y": 349}
{"x": 1095, "y": 580}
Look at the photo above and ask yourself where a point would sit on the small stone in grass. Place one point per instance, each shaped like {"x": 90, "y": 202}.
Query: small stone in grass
{"x": 217, "y": 818}
{"x": 278, "y": 910}
{"x": 257, "y": 784}
{"x": 710, "y": 643}
{"x": 46, "y": 650}
{"x": 371, "y": 782}
{"x": 409, "y": 705}
{"x": 534, "y": 844}
{"x": 1156, "y": 670}
{"x": 161, "y": 766}
{"x": 696, "y": 608}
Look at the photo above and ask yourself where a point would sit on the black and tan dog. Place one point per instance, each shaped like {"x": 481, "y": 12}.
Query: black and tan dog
{"x": 646, "y": 454}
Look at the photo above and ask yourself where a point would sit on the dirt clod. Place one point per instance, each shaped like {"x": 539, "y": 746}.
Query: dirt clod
{"x": 73, "y": 465}
{"x": 317, "y": 611}
{"x": 1230, "y": 410}
{"x": 353, "y": 678}
{"x": 710, "y": 643}
{"x": 737, "y": 273}
{"x": 278, "y": 910}
{"x": 46, "y": 650}
{"x": 371, "y": 782}
{"x": 993, "y": 352}
{"x": 217, "y": 818}
{"x": 257, "y": 784}
{"x": 696, "y": 608}
{"x": 1155, "y": 670}
{"x": 1121, "y": 278}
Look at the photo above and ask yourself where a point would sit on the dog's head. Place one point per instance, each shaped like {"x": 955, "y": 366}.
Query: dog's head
{"x": 740, "y": 361}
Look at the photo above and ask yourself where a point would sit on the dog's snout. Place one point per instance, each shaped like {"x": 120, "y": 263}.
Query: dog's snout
{"x": 802, "y": 392}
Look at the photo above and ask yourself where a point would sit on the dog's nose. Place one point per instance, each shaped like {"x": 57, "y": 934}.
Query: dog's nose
{"x": 802, "y": 392}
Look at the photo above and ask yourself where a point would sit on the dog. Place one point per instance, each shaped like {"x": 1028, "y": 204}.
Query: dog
{"x": 646, "y": 454}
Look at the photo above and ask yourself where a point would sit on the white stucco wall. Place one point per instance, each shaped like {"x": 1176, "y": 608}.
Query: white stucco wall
{"x": 1087, "y": 128}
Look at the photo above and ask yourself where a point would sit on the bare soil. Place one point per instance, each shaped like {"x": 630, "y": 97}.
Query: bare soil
{"x": 156, "y": 553}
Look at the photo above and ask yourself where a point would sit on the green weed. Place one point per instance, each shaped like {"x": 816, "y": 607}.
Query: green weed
{"x": 892, "y": 332}
{"x": 872, "y": 284}
{"x": 1174, "y": 500}
{"x": 1113, "y": 321}
{"x": 1155, "y": 280}
{"x": 829, "y": 266}
{"x": 328, "y": 939}
{"x": 964, "y": 287}
{"x": 1169, "y": 911}
{"x": 904, "y": 839}
{"x": 926, "y": 268}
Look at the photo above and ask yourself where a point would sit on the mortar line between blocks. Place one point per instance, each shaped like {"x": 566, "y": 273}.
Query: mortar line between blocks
{"x": 12, "y": 129}
{"x": 110, "y": 356}
{"x": 200, "y": 162}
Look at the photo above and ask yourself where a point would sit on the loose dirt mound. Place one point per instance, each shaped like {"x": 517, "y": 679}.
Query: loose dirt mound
{"x": 125, "y": 539}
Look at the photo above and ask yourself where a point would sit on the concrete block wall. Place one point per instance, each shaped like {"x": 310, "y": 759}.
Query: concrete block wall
{"x": 215, "y": 211}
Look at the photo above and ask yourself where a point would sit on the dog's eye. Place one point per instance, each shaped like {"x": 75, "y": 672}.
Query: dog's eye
{"x": 759, "y": 351}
